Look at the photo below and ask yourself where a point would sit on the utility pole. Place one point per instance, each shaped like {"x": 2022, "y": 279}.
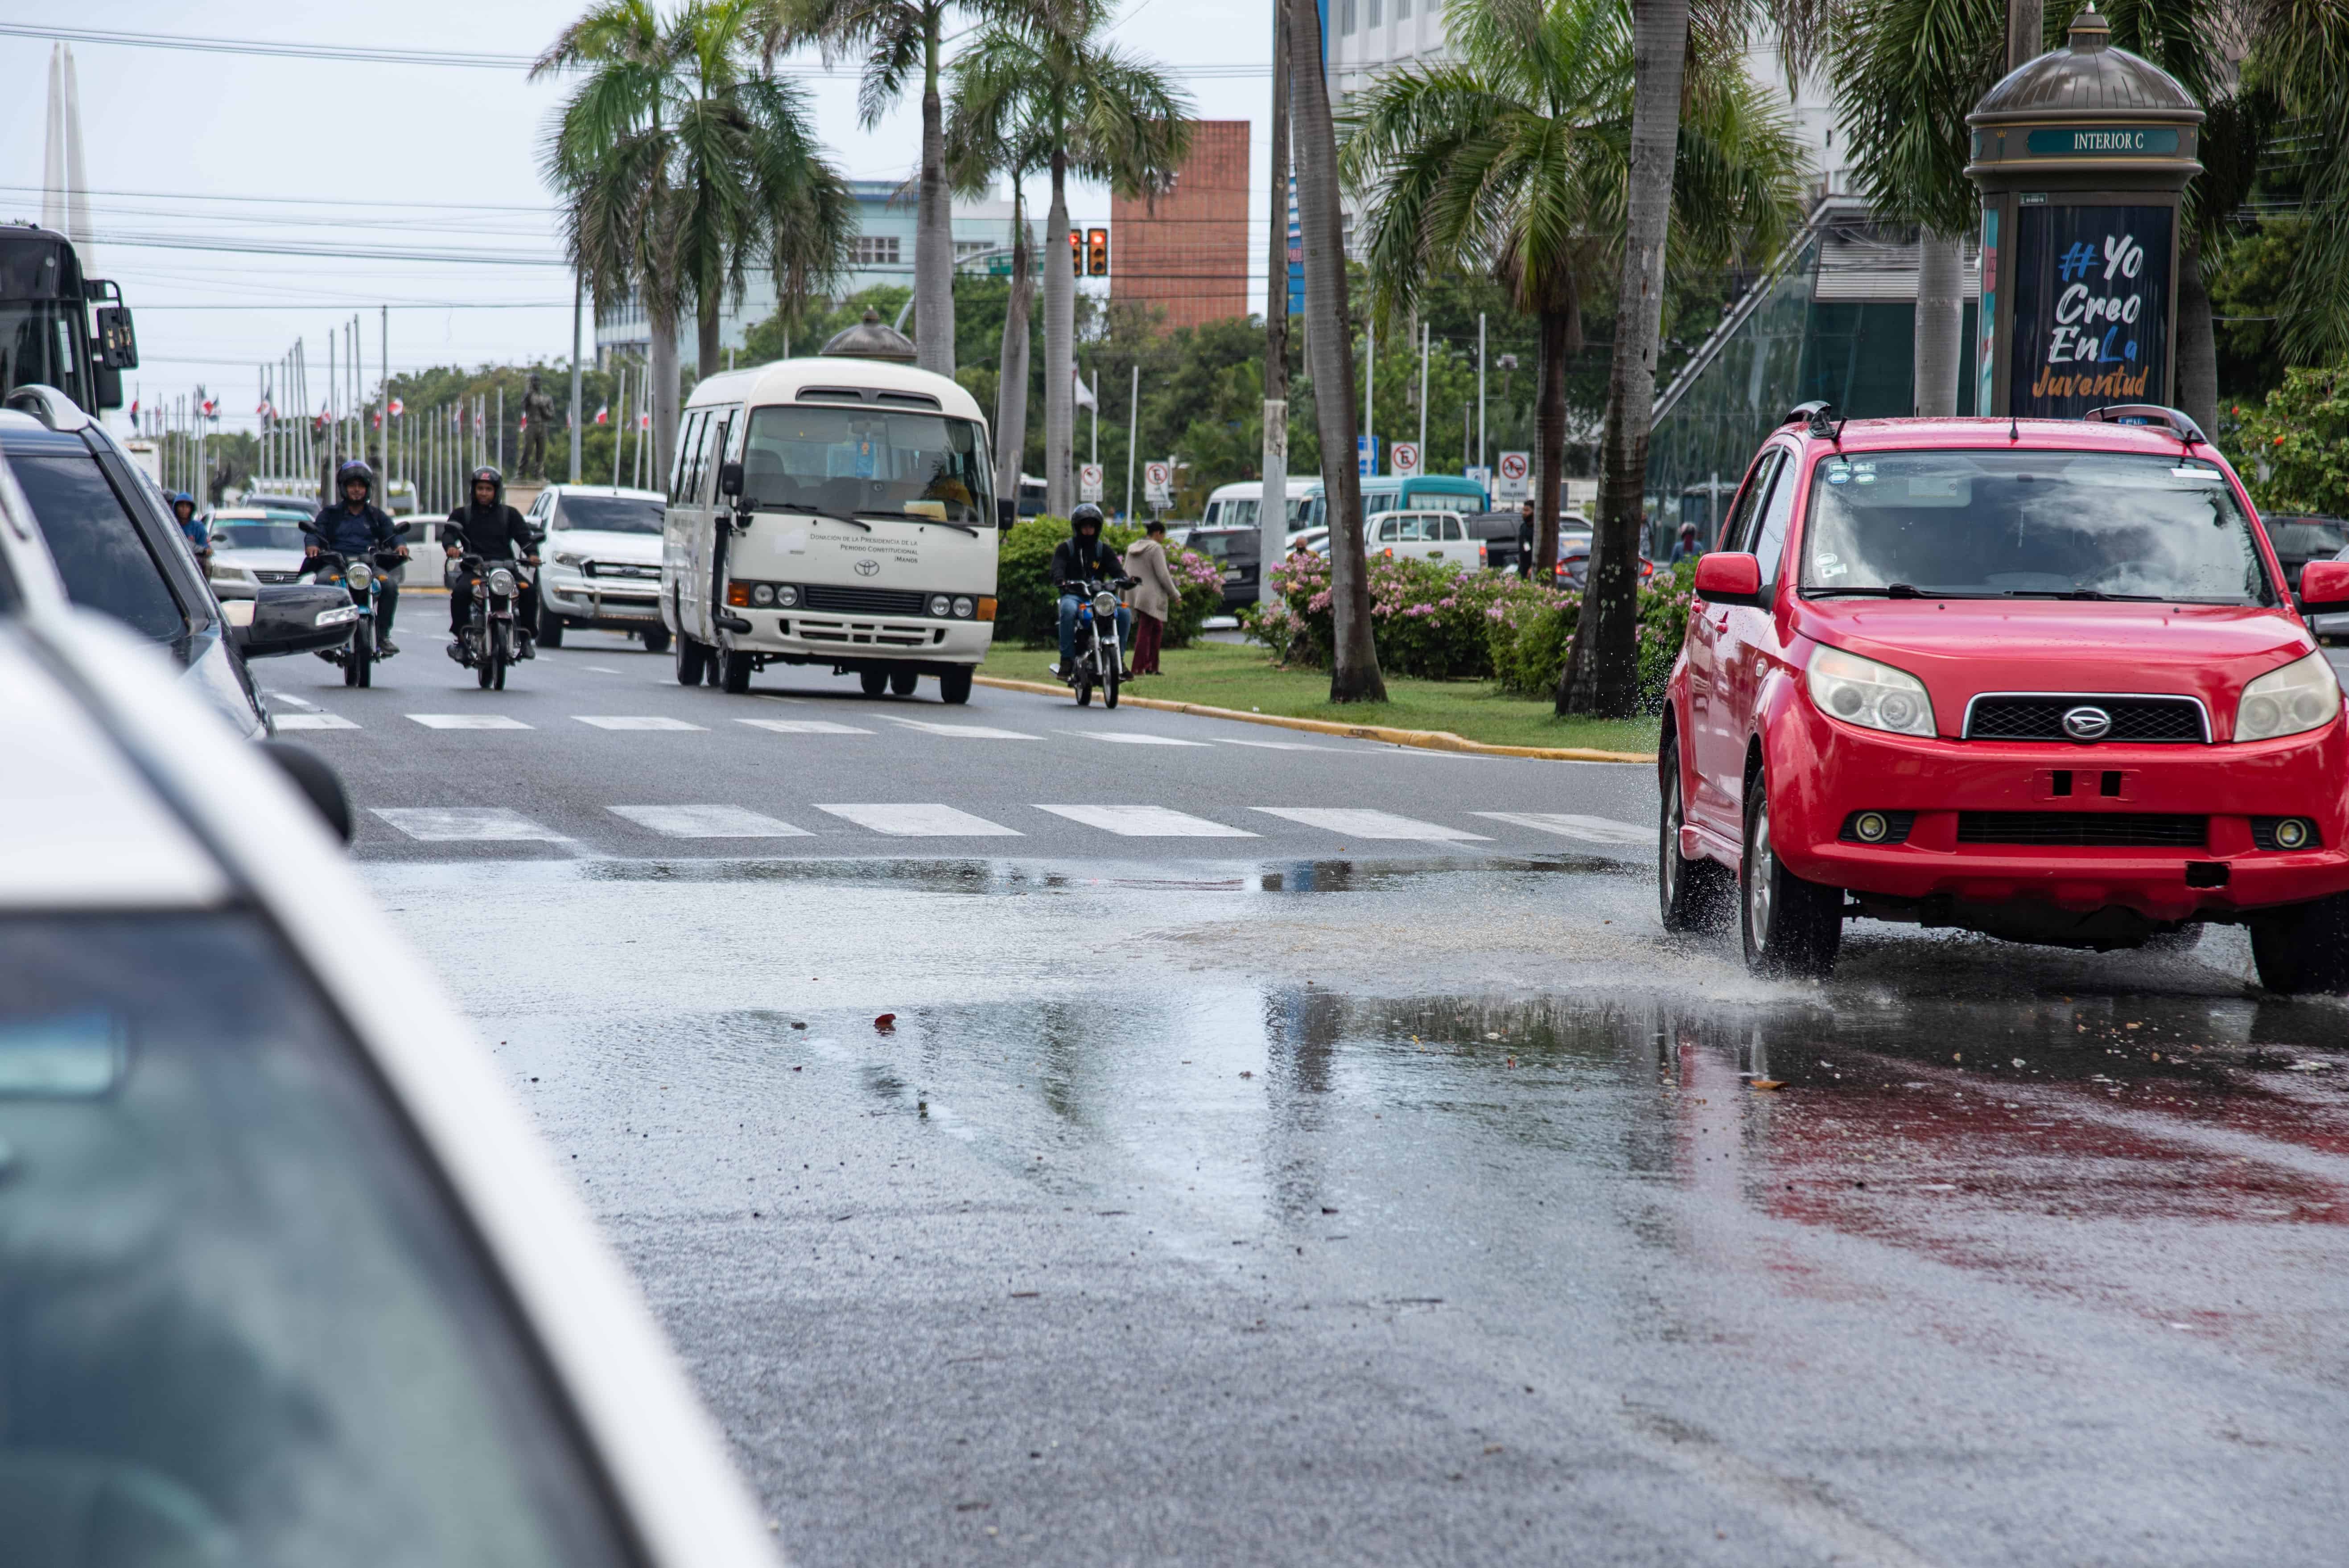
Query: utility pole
{"x": 1096, "y": 456}
{"x": 1369, "y": 392}
{"x": 578, "y": 300}
{"x": 1423, "y": 342}
{"x": 1481, "y": 451}
{"x": 383, "y": 343}
{"x": 1272, "y": 511}
{"x": 1132, "y": 436}
{"x": 502, "y": 428}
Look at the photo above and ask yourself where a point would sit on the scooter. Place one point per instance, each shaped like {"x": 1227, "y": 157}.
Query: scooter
{"x": 491, "y": 640}
{"x": 366, "y": 581}
{"x": 1099, "y": 661}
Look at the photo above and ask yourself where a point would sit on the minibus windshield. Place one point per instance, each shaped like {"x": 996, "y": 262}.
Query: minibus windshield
{"x": 868, "y": 463}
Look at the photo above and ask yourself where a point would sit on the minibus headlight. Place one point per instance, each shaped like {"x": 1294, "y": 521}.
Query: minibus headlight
{"x": 962, "y": 608}
{"x": 787, "y": 595}
{"x": 763, "y": 594}
{"x": 939, "y": 604}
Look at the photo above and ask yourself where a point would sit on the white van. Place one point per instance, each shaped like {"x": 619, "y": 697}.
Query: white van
{"x": 1437, "y": 536}
{"x": 1240, "y": 505}
{"x": 834, "y": 510}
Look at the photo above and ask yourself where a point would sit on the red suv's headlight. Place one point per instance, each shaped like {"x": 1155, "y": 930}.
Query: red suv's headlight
{"x": 1863, "y": 692}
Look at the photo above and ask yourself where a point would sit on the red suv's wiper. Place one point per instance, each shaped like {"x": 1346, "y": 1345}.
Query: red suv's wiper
{"x": 1890, "y": 591}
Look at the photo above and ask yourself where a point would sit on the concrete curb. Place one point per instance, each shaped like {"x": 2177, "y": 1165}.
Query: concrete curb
{"x": 1425, "y": 739}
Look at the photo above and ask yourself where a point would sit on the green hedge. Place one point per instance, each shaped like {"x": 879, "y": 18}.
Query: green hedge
{"x": 1028, "y": 600}
{"x": 1530, "y": 638}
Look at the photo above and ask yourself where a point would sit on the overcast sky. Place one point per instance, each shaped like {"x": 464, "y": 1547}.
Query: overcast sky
{"x": 235, "y": 150}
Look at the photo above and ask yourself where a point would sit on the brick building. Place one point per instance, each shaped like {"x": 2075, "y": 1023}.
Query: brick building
{"x": 1186, "y": 256}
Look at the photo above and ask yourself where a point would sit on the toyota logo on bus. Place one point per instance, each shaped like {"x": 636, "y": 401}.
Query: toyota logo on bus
{"x": 2087, "y": 723}
{"x": 868, "y": 567}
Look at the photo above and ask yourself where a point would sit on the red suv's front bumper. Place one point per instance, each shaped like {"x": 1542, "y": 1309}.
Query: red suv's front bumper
{"x": 1820, "y": 772}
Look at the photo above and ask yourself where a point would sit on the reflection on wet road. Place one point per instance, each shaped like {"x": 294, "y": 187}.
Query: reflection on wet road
{"x": 1452, "y": 1215}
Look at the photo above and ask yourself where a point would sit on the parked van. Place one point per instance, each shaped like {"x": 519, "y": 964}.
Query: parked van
{"x": 837, "y": 511}
{"x": 1240, "y": 505}
{"x": 1446, "y": 492}
{"x": 1438, "y": 536}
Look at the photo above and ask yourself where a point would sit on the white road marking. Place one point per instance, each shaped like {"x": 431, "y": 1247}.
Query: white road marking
{"x": 1358, "y": 823}
{"x": 314, "y": 721}
{"x": 601, "y": 669}
{"x": 1278, "y": 745}
{"x": 467, "y": 721}
{"x": 1130, "y": 737}
{"x": 922, "y": 822}
{"x": 803, "y": 727}
{"x": 290, "y": 700}
{"x": 1147, "y": 822}
{"x": 1595, "y": 830}
{"x": 633, "y": 721}
{"x": 438, "y": 823}
{"x": 709, "y": 822}
{"x": 963, "y": 731}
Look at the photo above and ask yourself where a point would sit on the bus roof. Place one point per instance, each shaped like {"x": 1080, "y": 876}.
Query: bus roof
{"x": 791, "y": 380}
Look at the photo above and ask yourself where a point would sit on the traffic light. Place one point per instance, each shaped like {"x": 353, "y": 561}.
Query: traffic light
{"x": 1077, "y": 252}
{"x": 1097, "y": 251}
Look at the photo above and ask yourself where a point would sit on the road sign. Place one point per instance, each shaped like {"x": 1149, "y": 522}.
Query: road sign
{"x": 1089, "y": 483}
{"x": 1158, "y": 483}
{"x": 1402, "y": 459}
{"x": 1366, "y": 456}
{"x": 1478, "y": 475}
{"x": 1514, "y": 468}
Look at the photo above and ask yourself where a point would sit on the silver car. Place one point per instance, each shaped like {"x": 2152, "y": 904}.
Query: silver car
{"x": 285, "y": 1278}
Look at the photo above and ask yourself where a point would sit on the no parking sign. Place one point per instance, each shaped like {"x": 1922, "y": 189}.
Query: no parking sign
{"x": 1403, "y": 459}
{"x": 1514, "y": 468}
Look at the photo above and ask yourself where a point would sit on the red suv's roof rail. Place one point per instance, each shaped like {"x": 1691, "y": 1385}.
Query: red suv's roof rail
{"x": 2180, "y": 426}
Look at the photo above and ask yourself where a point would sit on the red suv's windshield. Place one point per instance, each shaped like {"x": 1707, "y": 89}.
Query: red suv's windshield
{"x": 2019, "y": 524}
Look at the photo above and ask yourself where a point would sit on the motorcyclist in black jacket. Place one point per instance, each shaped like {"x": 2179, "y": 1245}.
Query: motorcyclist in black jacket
{"x": 493, "y": 531}
{"x": 1083, "y": 558}
{"x": 354, "y": 529}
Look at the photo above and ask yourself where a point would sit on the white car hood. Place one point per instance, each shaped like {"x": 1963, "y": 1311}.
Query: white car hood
{"x": 595, "y": 545}
{"x": 259, "y": 560}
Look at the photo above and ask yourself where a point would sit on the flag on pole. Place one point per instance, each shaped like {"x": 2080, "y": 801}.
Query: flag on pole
{"x": 134, "y": 407}
{"x": 644, "y": 421}
{"x": 398, "y": 408}
{"x": 603, "y": 415}
{"x": 522, "y": 422}
{"x": 481, "y": 422}
{"x": 375, "y": 420}
{"x": 1084, "y": 392}
{"x": 265, "y": 410}
{"x": 208, "y": 407}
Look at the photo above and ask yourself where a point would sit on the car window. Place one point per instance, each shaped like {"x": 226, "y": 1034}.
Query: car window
{"x": 1749, "y": 497}
{"x": 611, "y": 513}
{"x": 1770, "y": 535}
{"x": 2307, "y": 537}
{"x": 1388, "y": 528}
{"x": 2031, "y": 524}
{"x": 257, "y": 535}
{"x": 1452, "y": 534}
{"x": 680, "y": 484}
{"x": 239, "y": 1323}
{"x": 100, "y": 551}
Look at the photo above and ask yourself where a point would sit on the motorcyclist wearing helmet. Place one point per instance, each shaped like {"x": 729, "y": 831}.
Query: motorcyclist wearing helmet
{"x": 356, "y": 527}
{"x": 1083, "y": 558}
{"x": 199, "y": 532}
{"x": 487, "y": 527}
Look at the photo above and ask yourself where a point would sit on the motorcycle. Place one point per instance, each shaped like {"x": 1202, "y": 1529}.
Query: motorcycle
{"x": 492, "y": 639}
{"x": 1099, "y": 661}
{"x": 366, "y": 580}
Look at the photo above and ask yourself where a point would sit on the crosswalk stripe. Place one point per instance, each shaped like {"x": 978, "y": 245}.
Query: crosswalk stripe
{"x": 1130, "y": 737}
{"x": 912, "y": 821}
{"x": 1593, "y": 830}
{"x": 440, "y": 823}
{"x": 803, "y": 727}
{"x": 1356, "y": 823}
{"x": 1147, "y": 822}
{"x": 467, "y": 721}
{"x": 709, "y": 822}
{"x": 633, "y": 721}
{"x": 962, "y": 732}
{"x": 314, "y": 721}
{"x": 1275, "y": 745}
{"x": 289, "y": 698}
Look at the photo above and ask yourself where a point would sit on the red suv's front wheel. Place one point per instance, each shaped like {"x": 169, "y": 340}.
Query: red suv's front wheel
{"x": 1791, "y": 927}
{"x": 2305, "y": 948}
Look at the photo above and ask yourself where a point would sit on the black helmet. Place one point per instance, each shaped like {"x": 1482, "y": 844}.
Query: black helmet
{"x": 354, "y": 469}
{"x": 486, "y": 474}
{"x": 1086, "y": 513}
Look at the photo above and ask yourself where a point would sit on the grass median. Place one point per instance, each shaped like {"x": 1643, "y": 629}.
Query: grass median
{"x": 1243, "y": 676}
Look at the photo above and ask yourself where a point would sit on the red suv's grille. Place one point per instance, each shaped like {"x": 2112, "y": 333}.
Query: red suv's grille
{"x": 2141, "y": 720}
{"x": 2115, "y": 830}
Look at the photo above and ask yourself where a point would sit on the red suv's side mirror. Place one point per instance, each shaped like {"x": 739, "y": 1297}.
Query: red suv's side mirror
{"x": 2325, "y": 587}
{"x": 1729, "y": 577}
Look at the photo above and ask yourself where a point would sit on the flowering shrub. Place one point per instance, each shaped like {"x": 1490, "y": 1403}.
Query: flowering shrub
{"x": 1426, "y": 619}
{"x": 1665, "y": 606}
{"x": 1532, "y": 630}
{"x": 1199, "y": 594}
{"x": 1280, "y": 629}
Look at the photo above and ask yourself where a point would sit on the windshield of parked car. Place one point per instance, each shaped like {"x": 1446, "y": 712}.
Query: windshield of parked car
{"x": 2308, "y": 538}
{"x": 100, "y": 554}
{"x": 2053, "y": 525}
{"x": 867, "y": 463}
{"x": 257, "y": 535}
{"x": 242, "y": 1324}
{"x": 610, "y": 513}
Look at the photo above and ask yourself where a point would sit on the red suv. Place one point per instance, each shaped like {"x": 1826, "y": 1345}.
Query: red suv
{"x": 2043, "y": 681}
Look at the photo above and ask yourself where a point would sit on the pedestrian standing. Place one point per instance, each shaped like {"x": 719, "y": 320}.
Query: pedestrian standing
{"x": 1153, "y": 594}
{"x": 1525, "y": 540}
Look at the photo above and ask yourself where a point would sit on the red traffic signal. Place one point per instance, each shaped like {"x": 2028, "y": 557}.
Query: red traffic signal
{"x": 1097, "y": 251}
{"x": 1077, "y": 252}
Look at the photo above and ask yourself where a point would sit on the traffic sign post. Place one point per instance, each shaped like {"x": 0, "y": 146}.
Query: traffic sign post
{"x": 1366, "y": 456}
{"x": 1089, "y": 483}
{"x": 1403, "y": 461}
{"x": 1158, "y": 484}
{"x": 1516, "y": 468}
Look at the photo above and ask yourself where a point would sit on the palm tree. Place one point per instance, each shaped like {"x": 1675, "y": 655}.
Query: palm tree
{"x": 976, "y": 157}
{"x": 1047, "y": 80}
{"x": 1511, "y": 160}
{"x": 894, "y": 36}
{"x": 1329, "y": 359}
{"x": 681, "y": 162}
{"x": 2301, "y": 51}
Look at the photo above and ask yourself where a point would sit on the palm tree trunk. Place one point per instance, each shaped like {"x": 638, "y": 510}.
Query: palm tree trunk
{"x": 1011, "y": 383}
{"x": 709, "y": 358}
{"x": 1329, "y": 349}
{"x": 1060, "y": 350}
{"x": 1601, "y": 671}
{"x": 2197, "y": 346}
{"x": 934, "y": 311}
{"x": 1549, "y": 436}
{"x": 1941, "y": 316}
{"x": 663, "y": 374}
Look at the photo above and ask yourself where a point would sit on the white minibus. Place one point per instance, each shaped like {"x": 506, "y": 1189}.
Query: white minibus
{"x": 835, "y": 511}
{"x": 1240, "y": 505}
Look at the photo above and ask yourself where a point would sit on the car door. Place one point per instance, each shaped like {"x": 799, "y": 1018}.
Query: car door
{"x": 1746, "y": 644}
{"x": 1714, "y": 755}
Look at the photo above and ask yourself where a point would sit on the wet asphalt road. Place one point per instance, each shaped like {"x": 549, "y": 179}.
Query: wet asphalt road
{"x": 1223, "y": 1199}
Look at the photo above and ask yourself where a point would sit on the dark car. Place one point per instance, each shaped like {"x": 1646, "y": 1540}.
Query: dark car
{"x": 1235, "y": 551}
{"x": 120, "y": 552}
{"x": 2299, "y": 540}
{"x": 1497, "y": 531}
{"x": 1574, "y": 561}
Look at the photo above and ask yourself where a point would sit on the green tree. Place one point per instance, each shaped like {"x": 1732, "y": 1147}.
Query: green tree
{"x": 1049, "y": 85}
{"x": 2294, "y": 447}
{"x": 2300, "y": 55}
{"x": 680, "y": 160}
